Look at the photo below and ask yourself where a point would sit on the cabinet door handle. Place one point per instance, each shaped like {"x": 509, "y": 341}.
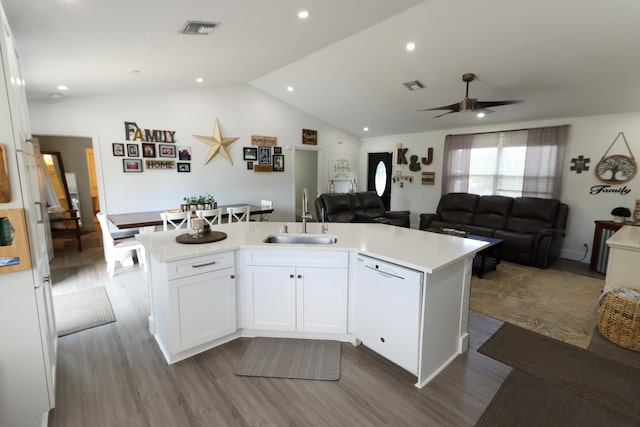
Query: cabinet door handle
{"x": 40, "y": 208}
{"x": 291, "y": 276}
{"x": 203, "y": 265}
{"x": 233, "y": 276}
{"x": 299, "y": 276}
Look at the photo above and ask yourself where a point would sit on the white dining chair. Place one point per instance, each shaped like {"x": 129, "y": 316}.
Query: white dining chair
{"x": 211, "y": 216}
{"x": 175, "y": 219}
{"x": 238, "y": 213}
{"x": 120, "y": 249}
{"x": 265, "y": 204}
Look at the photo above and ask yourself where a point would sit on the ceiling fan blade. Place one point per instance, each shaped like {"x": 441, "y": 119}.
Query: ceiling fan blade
{"x": 454, "y": 107}
{"x": 487, "y": 104}
{"x": 444, "y": 114}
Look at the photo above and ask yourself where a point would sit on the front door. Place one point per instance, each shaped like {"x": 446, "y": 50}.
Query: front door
{"x": 379, "y": 176}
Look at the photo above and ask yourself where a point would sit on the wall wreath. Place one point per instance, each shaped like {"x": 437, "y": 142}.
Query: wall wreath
{"x": 617, "y": 168}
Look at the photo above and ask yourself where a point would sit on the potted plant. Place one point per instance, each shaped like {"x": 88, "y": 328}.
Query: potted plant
{"x": 209, "y": 201}
{"x": 621, "y": 214}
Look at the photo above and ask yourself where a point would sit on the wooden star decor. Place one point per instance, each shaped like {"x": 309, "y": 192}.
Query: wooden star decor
{"x": 218, "y": 144}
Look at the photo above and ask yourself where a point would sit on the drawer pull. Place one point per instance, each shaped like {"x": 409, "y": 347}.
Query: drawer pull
{"x": 203, "y": 265}
{"x": 291, "y": 276}
{"x": 299, "y": 276}
{"x": 233, "y": 276}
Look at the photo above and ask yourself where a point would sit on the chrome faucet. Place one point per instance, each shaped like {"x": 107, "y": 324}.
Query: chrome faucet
{"x": 324, "y": 227}
{"x": 305, "y": 210}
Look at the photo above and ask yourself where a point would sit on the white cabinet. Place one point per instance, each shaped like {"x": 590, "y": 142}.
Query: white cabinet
{"x": 302, "y": 291}
{"x": 388, "y": 310}
{"x": 194, "y": 304}
{"x": 271, "y": 298}
{"x": 321, "y": 299}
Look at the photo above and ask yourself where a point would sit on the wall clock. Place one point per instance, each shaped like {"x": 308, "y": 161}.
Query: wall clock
{"x": 617, "y": 168}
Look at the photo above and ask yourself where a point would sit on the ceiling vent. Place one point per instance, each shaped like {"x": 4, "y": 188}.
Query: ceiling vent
{"x": 199, "y": 28}
{"x": 414, "y": 85}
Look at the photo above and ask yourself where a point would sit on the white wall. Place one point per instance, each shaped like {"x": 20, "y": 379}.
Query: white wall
{"x": 588, "y": 136}
{"x": 242, "y": 111}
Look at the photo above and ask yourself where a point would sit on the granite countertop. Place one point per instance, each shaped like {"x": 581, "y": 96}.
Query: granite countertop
{"x": 425, "y": 251}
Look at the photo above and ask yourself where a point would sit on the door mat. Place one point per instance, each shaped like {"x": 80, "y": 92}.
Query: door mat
{"x": 82, "y": 310}
{"x": 600, "y": 380}
{"x": 524, "y": 400}
{"x": 291, "y": 358}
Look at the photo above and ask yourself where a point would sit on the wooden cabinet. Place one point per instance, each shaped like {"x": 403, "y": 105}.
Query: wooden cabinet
{"x": 297, "y": 297}
{"x": 599, "y": 249}
{"x": 194, "y": 304}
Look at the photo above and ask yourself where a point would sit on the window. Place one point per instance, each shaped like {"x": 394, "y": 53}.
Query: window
{"x": 515, "y": 163}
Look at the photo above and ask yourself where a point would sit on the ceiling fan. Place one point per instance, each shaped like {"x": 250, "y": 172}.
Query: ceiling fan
{"x": 471, "y": 104}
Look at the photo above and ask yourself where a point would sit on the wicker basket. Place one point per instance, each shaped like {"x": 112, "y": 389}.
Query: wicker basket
{"x": 619, "y": 321}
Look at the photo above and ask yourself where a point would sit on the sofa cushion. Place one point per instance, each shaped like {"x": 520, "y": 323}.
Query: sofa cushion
{"x": 532, "y": 214}
{"x": 338, "y": 207}
{"x": 492, "y": 212}
{"x": 457, "y": 208}
{"x": 371, "y": 206}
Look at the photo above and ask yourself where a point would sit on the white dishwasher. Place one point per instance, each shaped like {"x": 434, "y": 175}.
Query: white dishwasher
{"x": 388, "y": 310}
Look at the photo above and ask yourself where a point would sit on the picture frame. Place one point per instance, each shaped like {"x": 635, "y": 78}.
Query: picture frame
{"x": 148, "y": 150}
{"x": 264, "y": 155}
{"x": 250, "y": 153}
{"x": 309, "y": 137}
{"x": 165, "y": 150}
{"x": 131, "y": 165}
{"x": 184, "y": 153}
{"x": 184, "y": 167}
{"x": 277, "y": 150}
{"x": 278, "y": 162}
{"x": 133, "y": 150}
{"x": 249, "y": 165}
{"x": 118, "y": 149}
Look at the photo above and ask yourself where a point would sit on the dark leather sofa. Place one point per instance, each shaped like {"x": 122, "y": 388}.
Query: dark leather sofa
{"x": 532, "y": 228}
{"x": 358, "y": 207}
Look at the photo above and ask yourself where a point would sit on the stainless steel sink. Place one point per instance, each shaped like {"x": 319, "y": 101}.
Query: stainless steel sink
{"x": 304, "y": 239}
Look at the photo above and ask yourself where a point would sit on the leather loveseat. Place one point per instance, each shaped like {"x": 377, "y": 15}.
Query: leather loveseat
{"x": 531, "y": 228}
{"x": 358, "y": 207}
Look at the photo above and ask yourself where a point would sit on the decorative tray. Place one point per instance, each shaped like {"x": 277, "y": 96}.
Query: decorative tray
{"x": 213, "y": 236}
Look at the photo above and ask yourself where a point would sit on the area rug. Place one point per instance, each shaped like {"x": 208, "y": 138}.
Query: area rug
{"x": 524, "y": 400}
{"x": 587, "y": 375}
{"x": 554, "y": 303}
{"x": 82, "y": 310}
{"x": 291, "y": 358}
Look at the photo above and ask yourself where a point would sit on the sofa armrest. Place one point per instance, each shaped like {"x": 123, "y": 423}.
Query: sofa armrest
{"x": 404, "y": 217}
{"x": 426, "y": 219}
{"x": 546, "y": 247}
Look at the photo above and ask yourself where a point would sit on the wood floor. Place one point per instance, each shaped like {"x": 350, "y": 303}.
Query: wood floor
{"x": 115, "y": 375}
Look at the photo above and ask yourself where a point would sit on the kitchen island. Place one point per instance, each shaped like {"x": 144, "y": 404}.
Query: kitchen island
{"x": 203, "y": 295}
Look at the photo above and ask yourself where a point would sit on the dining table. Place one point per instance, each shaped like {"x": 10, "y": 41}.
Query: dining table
{"x": 149, "y": 220}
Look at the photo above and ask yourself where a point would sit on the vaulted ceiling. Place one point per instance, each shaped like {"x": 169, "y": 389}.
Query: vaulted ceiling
{"x": 347, "y": 61}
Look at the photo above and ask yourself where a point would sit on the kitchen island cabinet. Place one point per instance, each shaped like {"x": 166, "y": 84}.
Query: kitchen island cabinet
{"x": 312, "y": 290}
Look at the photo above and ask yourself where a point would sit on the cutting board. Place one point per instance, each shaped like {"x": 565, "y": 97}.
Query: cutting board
{"x": 5, "y": 188}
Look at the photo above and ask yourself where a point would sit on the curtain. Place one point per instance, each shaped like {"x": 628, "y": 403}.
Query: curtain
{"x": 541, "y": 172}
{"x": 455, "y": 163}
{"x": 544, "y": 161}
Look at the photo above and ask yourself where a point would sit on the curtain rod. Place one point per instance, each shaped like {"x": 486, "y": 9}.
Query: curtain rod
{"x": 501, "y": 131}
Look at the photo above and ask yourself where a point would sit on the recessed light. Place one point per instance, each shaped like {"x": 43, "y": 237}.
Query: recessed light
{"x": 62, "y": 87}
{"x": 303, "y": 14}
{"x": 290, "y": 88}
{"x": 411, "y": 46}
{"x": 55, "y": 95}
{"x": 481, "y": 115}
{"x": 199, "y": 79}
{"x": 366, "y": 129}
